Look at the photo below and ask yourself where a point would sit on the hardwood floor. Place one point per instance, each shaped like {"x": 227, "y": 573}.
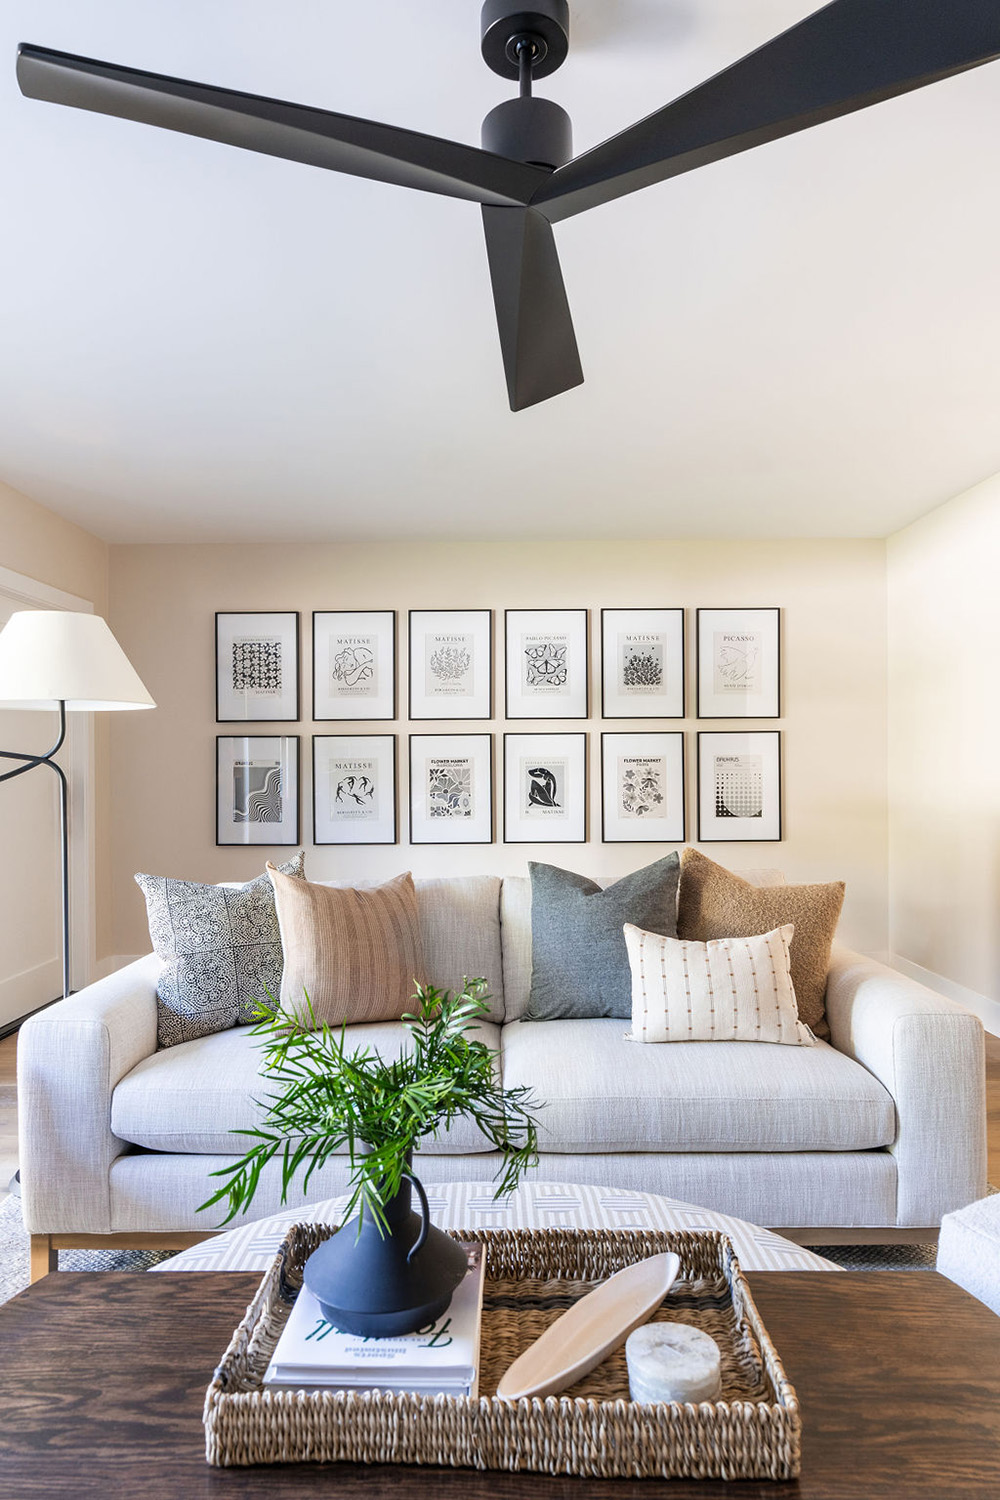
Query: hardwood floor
{"x": 8, "y": 1116}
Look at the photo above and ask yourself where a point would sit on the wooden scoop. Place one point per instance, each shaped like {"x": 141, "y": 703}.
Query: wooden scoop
{"x": 588, "y": 1331}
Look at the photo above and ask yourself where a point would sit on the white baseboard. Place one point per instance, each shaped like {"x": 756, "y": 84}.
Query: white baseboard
{"x": 22, "y": 993}
{"x": 982, "y": 1006}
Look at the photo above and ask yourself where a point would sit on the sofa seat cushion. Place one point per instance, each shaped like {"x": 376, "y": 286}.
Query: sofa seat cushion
{"x": 600, "y": 1092}
{"x": 193, "y": 1096}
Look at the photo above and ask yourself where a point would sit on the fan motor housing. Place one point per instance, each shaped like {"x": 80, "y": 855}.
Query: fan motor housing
{"x": 545, "y": 22}
{"x": 529, "y": 129}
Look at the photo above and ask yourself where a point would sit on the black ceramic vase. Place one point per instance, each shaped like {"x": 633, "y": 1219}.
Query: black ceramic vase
{"x": 382, "y": 1282}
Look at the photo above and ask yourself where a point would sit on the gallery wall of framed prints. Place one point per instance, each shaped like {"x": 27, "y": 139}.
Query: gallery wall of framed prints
{"x": 451, "y": 663}
{"x": 257, "y": 667}
{"x": 354, "y": 789}
{"x": 257, "y": 789}
{"x": 354, "y": 664}
{"x": 443, "y": 788}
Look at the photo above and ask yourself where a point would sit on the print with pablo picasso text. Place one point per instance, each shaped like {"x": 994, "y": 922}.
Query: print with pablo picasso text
{"x": 737, "y": 661}
{"x": 545, "y": 665}
{"x": 257, "y": 791}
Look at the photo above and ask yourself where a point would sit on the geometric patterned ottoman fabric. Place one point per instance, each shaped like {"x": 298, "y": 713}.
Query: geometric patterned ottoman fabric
{"x": 534, "y": 1205}
{"x": 221, "y": 949}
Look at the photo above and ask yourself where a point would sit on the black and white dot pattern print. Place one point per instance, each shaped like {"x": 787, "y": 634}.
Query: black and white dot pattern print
{"x": 257, "y": 666}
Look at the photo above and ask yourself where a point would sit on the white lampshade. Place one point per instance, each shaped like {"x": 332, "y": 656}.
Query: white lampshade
{"x": 48, "y": 656}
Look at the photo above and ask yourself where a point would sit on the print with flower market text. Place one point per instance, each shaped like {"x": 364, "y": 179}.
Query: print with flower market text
{"x": 450, "y": 787}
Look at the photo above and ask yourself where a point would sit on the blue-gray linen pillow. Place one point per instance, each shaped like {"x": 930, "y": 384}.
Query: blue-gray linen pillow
{"x": 579, "y": 961}
{"x": 221, "y": 951}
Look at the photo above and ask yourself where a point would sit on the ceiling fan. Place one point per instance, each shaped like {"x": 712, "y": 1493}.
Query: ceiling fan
{"x": 848, "y": 55}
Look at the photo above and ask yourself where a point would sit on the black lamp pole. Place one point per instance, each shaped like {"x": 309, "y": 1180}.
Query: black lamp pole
{"x": 29, "y": 763}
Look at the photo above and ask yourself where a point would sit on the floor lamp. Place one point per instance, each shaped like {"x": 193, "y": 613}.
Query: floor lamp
{"x": 66, "y": 662}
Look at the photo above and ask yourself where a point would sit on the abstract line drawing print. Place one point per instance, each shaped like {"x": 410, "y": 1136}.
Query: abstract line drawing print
{"x": 544, "y": 789}
{"x": 353, "y": 790}
{"x": 642, "y": 784}
{"x": 641, "y": 660}
{"x": 737, "y": 660}
{"x": 353, "y": 669}
{"x": 256, "y": 665}
{"x": 545, "y": 663}
{"x": 448, "y": 666}
{"x": 739, "y": 786}
{"x": 449, "y": 787}
{"x": 257, "y": 791}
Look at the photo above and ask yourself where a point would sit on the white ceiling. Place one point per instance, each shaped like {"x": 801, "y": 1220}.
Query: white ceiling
{"x": 199, "y": 343}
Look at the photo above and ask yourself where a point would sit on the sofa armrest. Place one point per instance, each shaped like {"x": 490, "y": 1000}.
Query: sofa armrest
{"x": 929, "y": 1053}
{"x": 69, "y": 1059}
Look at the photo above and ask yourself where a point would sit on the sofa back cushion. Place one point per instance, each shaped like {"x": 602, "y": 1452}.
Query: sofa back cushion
{"x": 460, "y": 931}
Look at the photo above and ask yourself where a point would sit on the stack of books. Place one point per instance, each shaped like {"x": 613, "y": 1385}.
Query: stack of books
{"x": 313, "y": 1355}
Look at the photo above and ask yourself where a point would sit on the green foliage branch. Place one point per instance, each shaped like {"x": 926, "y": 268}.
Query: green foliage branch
{"x": 327, "y": 1098}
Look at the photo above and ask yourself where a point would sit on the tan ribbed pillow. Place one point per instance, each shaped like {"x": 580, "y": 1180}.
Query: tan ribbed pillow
{"x": 727, "y": 990}
{"x": 357, "y": 954}
{"x": 712, "y": 902}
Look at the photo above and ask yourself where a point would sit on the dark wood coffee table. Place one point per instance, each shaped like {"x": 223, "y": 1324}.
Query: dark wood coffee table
{"x": 103, "y": 1376}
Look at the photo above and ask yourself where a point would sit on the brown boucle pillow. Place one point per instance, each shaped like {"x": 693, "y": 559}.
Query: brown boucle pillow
{"x": 357, "y": 954}
{"x": 712, "y": 902}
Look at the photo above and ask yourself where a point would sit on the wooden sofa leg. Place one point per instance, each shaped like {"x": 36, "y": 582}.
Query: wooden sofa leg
{"x": 44, "y": 1256}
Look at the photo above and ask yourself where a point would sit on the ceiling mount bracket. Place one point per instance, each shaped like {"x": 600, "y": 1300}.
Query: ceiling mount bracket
{"x": 543, "y": 23}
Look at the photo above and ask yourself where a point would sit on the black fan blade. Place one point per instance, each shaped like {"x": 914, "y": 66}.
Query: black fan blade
{"x": 845, "y": 57}
{"x": 536, "y": 330}
{"x": 341, "y": 143}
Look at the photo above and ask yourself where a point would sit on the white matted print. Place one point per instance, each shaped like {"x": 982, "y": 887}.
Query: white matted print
{"x": 739, "y": 787}
{"x": 257, "y": 667}
{"x": 642, "y": 663}
{"x": 451, "y": 663}
{"x": 545, "y": 788}
{"x": 257, "y": 789}
{"x": 354, "y": 789}
{"x": 354, "y": 664}
{"x": 451, "y": 789}
{"x": 642, "y": 779}
{"x": 739, "y": 664}
{"x": 547, "y": 671}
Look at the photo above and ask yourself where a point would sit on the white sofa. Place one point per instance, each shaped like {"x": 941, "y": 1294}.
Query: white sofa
{"x": 872, "y": 1136}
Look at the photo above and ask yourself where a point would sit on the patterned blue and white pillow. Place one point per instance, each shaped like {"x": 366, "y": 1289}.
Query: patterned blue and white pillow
{"x": 221, "y": 951}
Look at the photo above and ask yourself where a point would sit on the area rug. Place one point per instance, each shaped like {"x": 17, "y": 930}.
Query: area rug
{"x": 14, "y": 1275}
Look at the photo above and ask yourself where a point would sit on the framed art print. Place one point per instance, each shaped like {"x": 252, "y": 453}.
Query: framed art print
{"x": 257, "y": 667}
{"x": 451, "y": 789}
{"x": 545, "y": 788}
{"x": 642, "y": 788}
{"x": 257, "y": 789}
{"x": 354, "y": 789}
{"x": 451, "y": 663}
{"x": 739, "y": 787}
{"x": 739, "y": 664}
{"x": 354, "y": 664}
{"x": 547, "y": 671}
{"x": 642, "y": 663}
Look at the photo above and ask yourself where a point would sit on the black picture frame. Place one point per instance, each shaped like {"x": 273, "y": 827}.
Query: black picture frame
{"x": 359, "y": 717}
{"x": 636, "y": 709}
{"x": 357, "y": 751}
{"x": 292, "y": 835}
{"x": 458, "y": 716}
{"x": 708, "y": 832}
{"x": 734, "y": 710}
{"x": 258, "y": 614}
{"x": 489, "y": 737}
{"x": 552, "y": 712}
{"x": 674, "y": 735}
{"x": 537, "y": 835}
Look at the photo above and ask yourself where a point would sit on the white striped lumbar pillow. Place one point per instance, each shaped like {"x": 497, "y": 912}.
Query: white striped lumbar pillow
{"x": 725, "y": 990}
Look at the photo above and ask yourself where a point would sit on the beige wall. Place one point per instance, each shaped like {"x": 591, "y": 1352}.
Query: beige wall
{"x": 40, "y": 545}
{"x": 163, "y": 600}
{"x": 944, "y": 741}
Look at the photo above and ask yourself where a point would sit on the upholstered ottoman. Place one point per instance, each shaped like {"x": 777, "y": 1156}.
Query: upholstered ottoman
{"x": 969, "y": 1249}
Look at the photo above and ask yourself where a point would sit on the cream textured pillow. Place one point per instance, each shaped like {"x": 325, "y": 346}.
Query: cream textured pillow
{"x": 712, "y": 902}
{"x": 727, "y": 990}
{"x": 356, "y": 953}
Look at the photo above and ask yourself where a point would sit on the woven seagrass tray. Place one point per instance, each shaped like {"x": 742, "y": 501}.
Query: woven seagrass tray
{"x": 532, "y": 1275}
